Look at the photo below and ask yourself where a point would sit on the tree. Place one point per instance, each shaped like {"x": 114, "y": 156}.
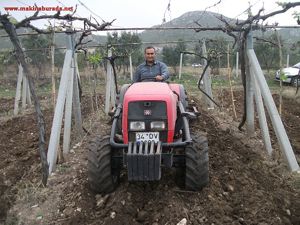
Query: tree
{"x": 171, "y": 55}
{"x": 197, "y": 50}
{"x": 219, "y": 45}
{"x": 6, "y": 58}
{"x": 94, "y": 60}
{"x": 180, "y": 46}
{"x": 267, "y": 52}
{"x": 59, "y": 58}
{"x": 126, "y": 44}
{"x": 10, "y": 28}
{"x": 37, "y": 51}
{"x": 294, "y": 51}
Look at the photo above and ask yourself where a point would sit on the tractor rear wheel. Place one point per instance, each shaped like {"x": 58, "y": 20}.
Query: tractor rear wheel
{"x": 196, "y": 164}
{"x": 102, "y": 177}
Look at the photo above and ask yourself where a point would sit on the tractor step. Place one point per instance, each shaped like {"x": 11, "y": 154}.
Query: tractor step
{"x": 195, "y": 110}
{"x": 143, "y": 161}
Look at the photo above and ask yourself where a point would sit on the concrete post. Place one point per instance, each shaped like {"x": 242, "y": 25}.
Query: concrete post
{"x": 28, "y": 95}
{"x": 261, "y": 115}
{"x": 249, "y": 92}
{"x": 207, "y": 80}
{"x": 68, "y": 110}
{"x": 108, "y": 84}
{"x": 283, "y": 139}
{"x": 180, "y": 65}
{"x": 237, "y": 65}
{"x": 53, "y": 67}
{"x": 230, "y": 84}
{"x": 76, "y": 99}
{"x": 58, "y": 114}
{"x": 130, "y": 67}
{"x": 24, "y": 92}
{"x": 59, "y": 108}
{"x": 18, "y": 90}
{"x": 113, "y": 93}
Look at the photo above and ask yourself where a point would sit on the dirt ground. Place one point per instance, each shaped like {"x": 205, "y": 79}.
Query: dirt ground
{"x": 246, "y": 187}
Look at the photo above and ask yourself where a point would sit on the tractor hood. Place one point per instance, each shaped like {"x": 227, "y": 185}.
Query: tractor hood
{"x": 149, "y": 88}
{"x": 151, "y": 91}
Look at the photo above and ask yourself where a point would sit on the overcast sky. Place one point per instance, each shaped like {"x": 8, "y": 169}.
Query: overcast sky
{"x": 146, "y": 13}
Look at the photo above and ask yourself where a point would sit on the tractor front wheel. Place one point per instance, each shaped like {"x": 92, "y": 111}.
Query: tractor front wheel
{"x": 196, "y": 164}
{"x": 102, "y": 177}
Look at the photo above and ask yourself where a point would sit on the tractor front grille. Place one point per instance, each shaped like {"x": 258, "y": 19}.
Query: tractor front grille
{"x": 148, "y": 111}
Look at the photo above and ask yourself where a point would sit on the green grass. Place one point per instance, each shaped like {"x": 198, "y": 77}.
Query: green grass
{"x": 7, "y": 92}
{"x": 45, "y": 89}
{"x": 10, "y": 92}
{"x": 188, "y": 79}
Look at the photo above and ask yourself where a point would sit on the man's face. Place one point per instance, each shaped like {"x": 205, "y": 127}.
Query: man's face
{"x": 150, "y": 55}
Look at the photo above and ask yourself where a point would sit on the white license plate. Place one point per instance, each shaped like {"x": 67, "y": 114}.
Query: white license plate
{"x": 147, "y": 136}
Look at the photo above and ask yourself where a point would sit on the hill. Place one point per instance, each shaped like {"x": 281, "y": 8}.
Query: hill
{"x": 188, "y": 19}
{"x": 205, "y": 19}
{"x": 60, "y": 39}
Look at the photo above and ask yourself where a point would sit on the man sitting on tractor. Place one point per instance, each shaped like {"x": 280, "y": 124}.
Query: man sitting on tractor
{"x": 151, "y": 69}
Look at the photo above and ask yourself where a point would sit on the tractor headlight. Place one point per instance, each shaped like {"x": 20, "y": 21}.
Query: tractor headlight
{"x": 157, "y": 125}
{"x": 137, "y": 125}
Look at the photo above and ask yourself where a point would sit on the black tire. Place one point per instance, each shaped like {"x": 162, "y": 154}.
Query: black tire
{"x": 102, "y": 177}
{"x": 120, "y": 99}
{"x": 196, "y": 164}
{"x": 296, "y": 81}
{"x": 123, "y": 90}
{"x": 183, "y": 96}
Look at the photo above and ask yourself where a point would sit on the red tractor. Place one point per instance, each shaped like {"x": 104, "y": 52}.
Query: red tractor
{"x": 150, "y": 129}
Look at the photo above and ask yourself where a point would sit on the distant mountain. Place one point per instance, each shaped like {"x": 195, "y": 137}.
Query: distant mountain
{"x": 205, "y": 19}
{"x": 290, "y": 35}
{"x": 60, "y": 39}
{"x": 189, "y": 19}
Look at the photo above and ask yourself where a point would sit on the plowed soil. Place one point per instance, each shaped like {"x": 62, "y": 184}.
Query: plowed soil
{"x": 246, "y": 186}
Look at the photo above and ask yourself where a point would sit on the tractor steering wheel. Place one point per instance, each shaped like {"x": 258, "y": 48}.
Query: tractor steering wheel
{"x": 150, "y": 79}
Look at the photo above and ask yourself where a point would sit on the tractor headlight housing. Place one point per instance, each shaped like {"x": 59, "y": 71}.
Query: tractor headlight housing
{"x": 136, "y": 126}
{"x": 157, "y": 125}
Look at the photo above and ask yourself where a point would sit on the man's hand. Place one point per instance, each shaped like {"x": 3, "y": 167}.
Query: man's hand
{"x": 159, "y": 78}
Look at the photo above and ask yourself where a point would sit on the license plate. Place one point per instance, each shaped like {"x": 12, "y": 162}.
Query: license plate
{"x": 147, "y": 136}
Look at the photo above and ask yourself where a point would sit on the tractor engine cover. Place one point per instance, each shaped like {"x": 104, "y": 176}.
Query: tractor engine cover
{"x": 149, "y": 100}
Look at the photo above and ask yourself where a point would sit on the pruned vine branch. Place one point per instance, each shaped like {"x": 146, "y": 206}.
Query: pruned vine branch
{"x": 68, "y": 17}
{"x": 239, "y": 31}
{"x": 10, "y": 29}
{"x": 266, "y": 41}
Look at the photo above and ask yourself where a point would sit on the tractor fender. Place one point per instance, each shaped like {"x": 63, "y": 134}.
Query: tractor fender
{"x": 180, "y": 91}
{"x": 120, "y": 99}
{"x": 120, "y": 96}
